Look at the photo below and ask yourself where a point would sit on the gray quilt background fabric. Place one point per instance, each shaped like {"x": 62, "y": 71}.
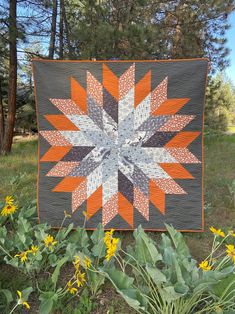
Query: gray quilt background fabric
{"x": 124, "y": 148}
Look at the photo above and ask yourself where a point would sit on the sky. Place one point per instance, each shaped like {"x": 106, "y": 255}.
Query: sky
{"x": 231, "y": 44}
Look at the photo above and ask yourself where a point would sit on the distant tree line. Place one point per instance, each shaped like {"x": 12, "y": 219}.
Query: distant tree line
{"x": 106, "y": 29}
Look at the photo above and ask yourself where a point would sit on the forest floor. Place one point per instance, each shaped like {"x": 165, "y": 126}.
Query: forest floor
{"x": 21, "y": 167}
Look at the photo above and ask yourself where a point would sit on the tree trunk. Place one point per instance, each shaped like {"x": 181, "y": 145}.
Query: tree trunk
{"x": 1, "y": 118}
{"x": 53, "y": 30}
{"x": 66, "y": 26}
{"x": 10, "y": 121}
{"x": 61, "y": 34}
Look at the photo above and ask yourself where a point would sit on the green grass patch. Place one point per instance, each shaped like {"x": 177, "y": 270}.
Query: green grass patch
{"x": 231, "y": 129}
{"x": 21, "y": 167}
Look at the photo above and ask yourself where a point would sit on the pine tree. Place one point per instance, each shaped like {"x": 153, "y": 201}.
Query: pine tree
{"x": 220, "y": 104}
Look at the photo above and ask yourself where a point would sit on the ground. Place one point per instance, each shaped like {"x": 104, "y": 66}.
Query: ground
{"x": 21, "y": 166}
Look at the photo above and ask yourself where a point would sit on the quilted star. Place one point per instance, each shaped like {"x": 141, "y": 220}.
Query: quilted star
{"x": 119, "y": 145}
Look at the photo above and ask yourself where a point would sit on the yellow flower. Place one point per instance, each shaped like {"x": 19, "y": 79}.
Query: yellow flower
{"x": 23, "y": 256}
{"x": 204, "y": 265}
{"x": 70, "y": 288}
{"x": 111, "y": 248}
{"x": 232, "y": 233}
{"x": 87, "y": 262}
{"x": 76, "y": 263}
{"x": 80, "y": 278}
{"x": 9, "y": 200}
{"x": 108, "y": 236}
{"x": 21, "y": 301}
{"x": 66, "y": 215}
{"x": 231, "y": 251}
{"x": 34, "y": 249}
{"x": 49, "y": 241}
{"x": 218, "y": 232}
{"x": 8, "y": 210}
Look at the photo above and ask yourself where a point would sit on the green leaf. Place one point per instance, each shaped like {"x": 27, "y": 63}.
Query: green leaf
{"x": 26, "y": 292}
{"x": 122, "y": 281}
{"x": 225, "y": 288}
{"x": 62, "y": 234}
{"x": 145, "y": 249}
{"x": 95, "y": 281}
{"x": 98, "y": 235}
{"x": 8, "y": 295}
{"x": 29, "y": 212}
{"x": 55, "y": 275}
{"x": 170, "y": 294}
{"x": 156, "y": 275}
{"x": 47, "y": 301}
{"x": 53, "y": 260}
{"x": 3, "y": 234}
{"x": 80, "y": 237}
{"x": 178, "y": 241}
{"x": 123, "y": 285}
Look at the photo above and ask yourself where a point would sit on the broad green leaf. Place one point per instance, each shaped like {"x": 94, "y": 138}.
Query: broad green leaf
{"x": 170, "y": 294}
{"x": 26, "y": 292}
{"x": 122, "y": 281}
{"x": 225, "y": 288}
{"x": 47, "y": 301}
{"x": 55, "y": 275}
{"x": 178, "y": 241}
{"x": 156, "y": 275}
{"x": 53, "y": 260}
{"x": 8, "y": 295}
{"x": 145, "y": 249}
{"x": 3, "y": 234}
{"x": 63, "y": 233}
{"x": 98, "y": 235}
{"x": 29, "y": 212}
{"x": 80, "y": 237}
{"x": 123, "y": 285}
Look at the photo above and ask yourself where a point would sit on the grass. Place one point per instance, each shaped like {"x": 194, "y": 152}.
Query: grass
{"x": 231, "y": 129}
{"x": 20, "y": 166}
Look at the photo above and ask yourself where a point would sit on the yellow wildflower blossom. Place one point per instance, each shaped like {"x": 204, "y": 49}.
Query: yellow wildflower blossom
{"x": 23, "y": 256}
{"x": 108, "y": 236}
{"x": 49, "y": 241}
{"x": 231, "y": 251}
{"x": 111, "y": 248}
{"x": 76, "y": 262}
{"x": 21, "y": 301}
{"x": 70, "y": 288}
{"x": 8, "y": 210}
{"x": 80, "y": 279}
{"x": 204, "y": 265}
{"x": 232, "y": 233}
{"x": 218, "y": 232}
{"x": 87, "y": 262}
{"x": 9, "y": 200}
{"x": 34, "y": 249}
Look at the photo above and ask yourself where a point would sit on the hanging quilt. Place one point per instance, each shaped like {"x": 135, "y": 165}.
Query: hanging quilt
{"x": 121, "y": 143}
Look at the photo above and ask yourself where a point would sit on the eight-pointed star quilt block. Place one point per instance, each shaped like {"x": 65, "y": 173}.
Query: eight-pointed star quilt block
{"x": 121, "y": 141}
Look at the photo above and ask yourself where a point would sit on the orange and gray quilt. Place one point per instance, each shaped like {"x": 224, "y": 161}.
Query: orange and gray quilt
{"x": 121, "y": 143}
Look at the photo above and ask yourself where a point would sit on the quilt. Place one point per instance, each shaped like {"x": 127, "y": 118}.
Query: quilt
{"x": 121, "y": 143}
